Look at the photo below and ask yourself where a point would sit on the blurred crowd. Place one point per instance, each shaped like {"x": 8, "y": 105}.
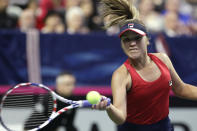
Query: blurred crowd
{"x": 173, "y": 17}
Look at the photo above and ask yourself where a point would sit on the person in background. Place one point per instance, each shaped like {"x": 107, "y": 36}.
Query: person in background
{"x": 88, "y": 8}
{"x": 72, "y": 3}
{"x": 53, "y": 23}
{"x": 65, "y": 84}
{"x": 173, "y": 27}
{"x": 75, "y": 21}
{"x": 27, "y": 20}
{"x": 174, "y": 6}
{"x": 34, "y": 6}
{"x": 152, "y": 19}
{"x": 113, "y": 30}
{"x": 48, "y": 5}
{"x": 7, "y": 21}
{"x": 97, "y": 21}
{"x": 193, "y": 23}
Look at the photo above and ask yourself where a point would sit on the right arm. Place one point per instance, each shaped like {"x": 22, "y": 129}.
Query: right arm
{"x": 117, "y": 111}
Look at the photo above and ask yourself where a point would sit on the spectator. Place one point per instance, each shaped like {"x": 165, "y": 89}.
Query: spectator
{"x": 48, "y": 5}
{"x": 193, "y": 24}
{"x": 113, "y": 30}
{"x": 173, "y": 27}
{"x": 7, "y": 21}
{"x": 174, "y": 6}
{"x": 53, "y": 23}
{"x": 27, "y": 20}
{"x": 65, "y": 84}
{"x": 33, "y": 5}
{"x": 87, "y": 7}
{"x": 72, "y": 3}
{"x": 75, "y": 21}
{"x": 146, "y": 7}
{"x": 95, "y": 21}
{"x": 152, "y": 19}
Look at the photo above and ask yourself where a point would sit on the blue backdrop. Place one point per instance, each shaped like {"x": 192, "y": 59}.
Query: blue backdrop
{"x": 12, "y": 57}
{"x": 92, "y": 58}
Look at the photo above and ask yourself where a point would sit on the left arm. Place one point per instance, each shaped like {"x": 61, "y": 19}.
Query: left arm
{"x": 180, "y": 88}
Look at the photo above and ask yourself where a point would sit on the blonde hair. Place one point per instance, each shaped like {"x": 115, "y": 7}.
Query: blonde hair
{"x": 120, "y": 12}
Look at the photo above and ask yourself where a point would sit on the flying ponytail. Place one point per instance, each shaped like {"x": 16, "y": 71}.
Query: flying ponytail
{"x": 120, "y": 12}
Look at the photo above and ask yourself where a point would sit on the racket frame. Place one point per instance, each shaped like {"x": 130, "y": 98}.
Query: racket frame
{"x": 55, "y": 113}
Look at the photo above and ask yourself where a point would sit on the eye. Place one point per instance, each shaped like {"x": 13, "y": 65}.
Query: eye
{"x": 125, "y": 40}
{"x": 138, "y": 38}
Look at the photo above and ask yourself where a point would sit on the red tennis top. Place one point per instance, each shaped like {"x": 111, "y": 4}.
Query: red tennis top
{"x": 148, "y": 102}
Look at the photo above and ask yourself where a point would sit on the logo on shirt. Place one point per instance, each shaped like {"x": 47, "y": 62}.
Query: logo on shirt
{"x": 130, "y": 25}
{"x": 170, "y": 83}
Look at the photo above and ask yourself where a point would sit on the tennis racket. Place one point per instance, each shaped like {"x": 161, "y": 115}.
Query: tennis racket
{"x": 32, "y": 106}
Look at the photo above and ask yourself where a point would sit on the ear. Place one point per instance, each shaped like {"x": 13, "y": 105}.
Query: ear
{"x": 122, "y": 45}
{"x": 147, "y": 41}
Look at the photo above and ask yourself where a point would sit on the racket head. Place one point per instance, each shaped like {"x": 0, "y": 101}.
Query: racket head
{"x": 26, "y": 106}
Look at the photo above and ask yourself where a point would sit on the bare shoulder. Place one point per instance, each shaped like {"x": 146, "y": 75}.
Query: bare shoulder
{"x": 163, "y": 57}
{"x": 120, "y": 72}
{"x": 121, "y": 78}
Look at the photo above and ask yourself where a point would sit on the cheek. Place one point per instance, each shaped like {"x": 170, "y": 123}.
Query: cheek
{"x": 124, "y": 46}
{"x": 144, "y": 47}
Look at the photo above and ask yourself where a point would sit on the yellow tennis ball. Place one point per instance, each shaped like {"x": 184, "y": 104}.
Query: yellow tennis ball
{"x": 93, "y": 97}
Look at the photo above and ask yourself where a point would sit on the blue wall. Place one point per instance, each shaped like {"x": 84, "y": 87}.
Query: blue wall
{"x": 92, "y": 58}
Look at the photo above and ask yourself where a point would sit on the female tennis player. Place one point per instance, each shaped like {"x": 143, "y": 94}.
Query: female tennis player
{"x": 141, "y": 85}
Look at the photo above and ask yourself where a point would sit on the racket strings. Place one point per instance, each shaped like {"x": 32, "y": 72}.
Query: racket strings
{"x": 43, "y": 108}
{"x": 26, "y": 108}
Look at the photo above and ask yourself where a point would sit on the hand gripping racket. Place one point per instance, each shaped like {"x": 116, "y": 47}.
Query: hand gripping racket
{"x": 22, "y": 107}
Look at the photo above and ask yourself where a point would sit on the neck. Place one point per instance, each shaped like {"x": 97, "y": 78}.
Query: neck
{"x": 140, "y": 62}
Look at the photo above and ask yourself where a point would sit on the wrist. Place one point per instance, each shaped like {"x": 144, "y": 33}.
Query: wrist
{"x": 109, "y": 107}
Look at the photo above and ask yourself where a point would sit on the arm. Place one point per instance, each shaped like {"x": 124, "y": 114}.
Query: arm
{"x": 117, "y": 110}
{"x": 180, "y": 88}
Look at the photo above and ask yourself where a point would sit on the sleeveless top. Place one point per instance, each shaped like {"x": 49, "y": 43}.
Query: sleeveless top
{"x": 148, "y": 102}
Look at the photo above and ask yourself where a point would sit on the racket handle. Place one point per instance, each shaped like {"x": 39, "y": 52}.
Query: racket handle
{"x": 87, "y": 104}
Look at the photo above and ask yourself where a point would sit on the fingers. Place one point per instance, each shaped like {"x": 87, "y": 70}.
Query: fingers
{"x": 102, "y": 105}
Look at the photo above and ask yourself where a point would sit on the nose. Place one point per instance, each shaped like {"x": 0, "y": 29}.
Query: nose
{"x": 133, "y": 43}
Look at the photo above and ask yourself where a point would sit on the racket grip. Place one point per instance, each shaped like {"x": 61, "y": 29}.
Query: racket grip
{"x": 87, "y": 104}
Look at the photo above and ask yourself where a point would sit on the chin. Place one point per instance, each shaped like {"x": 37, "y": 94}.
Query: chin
{"x": 134, "y": 55}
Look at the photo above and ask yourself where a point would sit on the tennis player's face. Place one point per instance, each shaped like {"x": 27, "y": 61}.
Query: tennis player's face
{"x": 65, "y": 85}
{"x": 134, "y": 45}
